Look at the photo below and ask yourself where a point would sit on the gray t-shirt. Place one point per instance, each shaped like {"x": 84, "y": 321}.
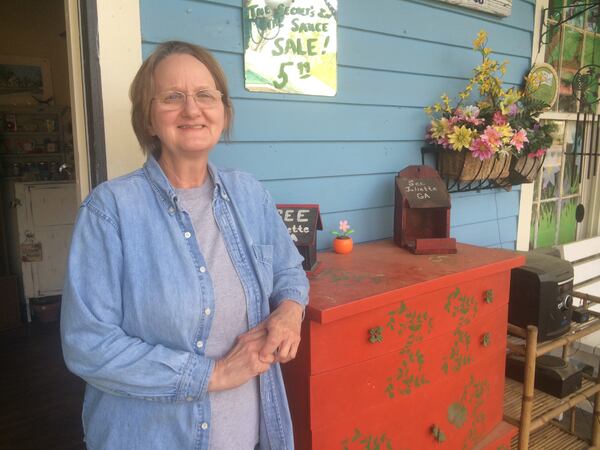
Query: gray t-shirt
{"x": 235, "y": 413}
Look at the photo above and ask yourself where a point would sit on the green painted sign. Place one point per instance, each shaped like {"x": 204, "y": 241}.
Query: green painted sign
{"x": 543, "y": 84}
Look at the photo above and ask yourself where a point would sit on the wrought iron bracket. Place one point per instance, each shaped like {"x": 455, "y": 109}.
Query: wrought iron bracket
{"x": 546, "y": 28}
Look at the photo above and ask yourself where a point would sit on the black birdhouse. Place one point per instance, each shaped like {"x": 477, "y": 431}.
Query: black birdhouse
{"x": 422, "y": 212}
{"x": 302, "y": 222}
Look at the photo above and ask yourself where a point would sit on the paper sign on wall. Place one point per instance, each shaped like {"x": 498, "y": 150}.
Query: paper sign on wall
{"x": 290, "y": 46}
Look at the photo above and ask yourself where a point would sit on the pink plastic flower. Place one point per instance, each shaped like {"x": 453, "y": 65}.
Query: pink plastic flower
{"x": 480, "y": 149}
{"x": 444, "y": 142}
{"x": 518, "y": 139}
{"x": 492, "y": 137}
{"x": 470, "y": 115}
{"x": 344, "y": 226}
{"x": 537, "y": 154}
{"x": 499, "y": 118}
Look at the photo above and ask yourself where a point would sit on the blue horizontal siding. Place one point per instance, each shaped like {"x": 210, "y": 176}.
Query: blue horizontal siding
{"x": 369, "y": 225}
{"x": 342, "y": 152}
{"x": 262, "y": 120}
{"x": 336, "y": 194}
{"x": 317, "y": 159}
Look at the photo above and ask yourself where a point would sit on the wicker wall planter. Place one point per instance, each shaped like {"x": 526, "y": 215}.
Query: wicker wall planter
{"x": 462, "y": 166}
{"x": 524, "y": 169}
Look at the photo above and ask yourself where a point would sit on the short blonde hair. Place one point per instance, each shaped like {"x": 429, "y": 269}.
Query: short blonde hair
{"x": 141, "y": 91}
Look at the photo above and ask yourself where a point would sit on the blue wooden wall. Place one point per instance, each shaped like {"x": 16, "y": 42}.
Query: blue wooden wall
{"x": 394, "y": 58}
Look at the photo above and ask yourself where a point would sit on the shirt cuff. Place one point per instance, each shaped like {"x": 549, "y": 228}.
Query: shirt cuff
{"x": 195, "y": 379}
{"x": 292, "y": 294}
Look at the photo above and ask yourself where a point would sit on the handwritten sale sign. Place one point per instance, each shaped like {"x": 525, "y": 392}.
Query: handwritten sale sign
{"x": 290, "y": 46}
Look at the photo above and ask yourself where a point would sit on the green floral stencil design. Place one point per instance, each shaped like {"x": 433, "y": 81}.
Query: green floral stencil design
{"x": 337, "y": 276}
{"x": 465, "y": 309}
{"x": 474, "y": 397}
{"x": 459, "y": 353}
{"x": 367, "y": 442}
{"x": 467, "y": 410}
{"x": 409, "y": 374}
{"x": 461, "y": 306}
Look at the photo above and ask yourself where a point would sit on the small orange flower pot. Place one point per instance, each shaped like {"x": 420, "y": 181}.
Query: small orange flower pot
{"x": 342, "y": 245}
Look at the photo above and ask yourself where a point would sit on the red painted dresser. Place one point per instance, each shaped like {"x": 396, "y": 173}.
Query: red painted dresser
{"x": 403, "y": 352}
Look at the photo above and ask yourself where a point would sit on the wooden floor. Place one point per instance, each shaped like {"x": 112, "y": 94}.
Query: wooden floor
{"x": 40, "y": 401}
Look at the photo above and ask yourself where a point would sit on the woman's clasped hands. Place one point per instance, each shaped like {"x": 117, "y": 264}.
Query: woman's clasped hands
{"x": 274, "y": 340}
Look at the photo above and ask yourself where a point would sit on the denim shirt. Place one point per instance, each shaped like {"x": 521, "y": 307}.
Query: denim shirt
{"x": 132, "y": 319}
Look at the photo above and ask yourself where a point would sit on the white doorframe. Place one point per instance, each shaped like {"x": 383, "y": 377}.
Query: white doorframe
{"x": 526, "y": 198}
{"x": 120, "y": 54}
{"x": 76, "y": 88}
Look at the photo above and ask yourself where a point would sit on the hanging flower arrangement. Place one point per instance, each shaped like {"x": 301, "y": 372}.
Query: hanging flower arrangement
{"x": 501, "y": 122}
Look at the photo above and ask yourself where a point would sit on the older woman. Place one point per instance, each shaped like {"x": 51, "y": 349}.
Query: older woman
{"x": 184, "y": 290}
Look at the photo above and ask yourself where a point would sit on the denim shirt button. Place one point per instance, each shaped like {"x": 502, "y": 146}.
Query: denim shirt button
{"x": 204, "y": 426}
{"x": 207, "y": 311}
{"x": 189, "y": 399}
{"x": 202, "y": 269}
{"x": 171, "y": 210}
{"x": 224, "y": 196}
{"x": 199, "y": 344}
{"x": 187, "y": 235}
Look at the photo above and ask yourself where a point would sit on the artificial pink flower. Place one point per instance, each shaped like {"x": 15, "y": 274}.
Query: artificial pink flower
{"x": 518, "y": 139}
{"x": 492, "y": 137}
{"x": 499, "y": 118}
{"x": 480, "y": 149}
{"x": 344, "y": 226}
{"x": 538, "y": 154}
{"x": 470, "y": 115}
{"x": 443, "y": 141}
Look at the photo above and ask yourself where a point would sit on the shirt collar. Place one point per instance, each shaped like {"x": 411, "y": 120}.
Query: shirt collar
{"x": 161, "y": 183}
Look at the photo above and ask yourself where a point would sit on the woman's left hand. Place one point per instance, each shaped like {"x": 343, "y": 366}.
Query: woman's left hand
{"x": 283, "y": 332}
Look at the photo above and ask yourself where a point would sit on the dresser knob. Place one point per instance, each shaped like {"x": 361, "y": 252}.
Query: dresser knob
{"x": 438, "y": 434}
{"x": 376, "y": 335}
{"x": 489, "y": 296}
{"x": 486, "y": 339}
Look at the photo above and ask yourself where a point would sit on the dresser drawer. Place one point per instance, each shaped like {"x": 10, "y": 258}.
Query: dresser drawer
{"x": 463, "y": 410}
{"x": 404, "y": 322}
{"x": 388, "y": 384}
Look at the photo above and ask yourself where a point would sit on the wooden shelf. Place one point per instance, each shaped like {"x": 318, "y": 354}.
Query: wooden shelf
{"x": 533, "y": 411}
{"x": 30, "y": 155}
{"x": 545, "y": 406}
{"x": 552, "y": 437}
{"x": 578, "y": 330}
{"x": 29, "y": 133}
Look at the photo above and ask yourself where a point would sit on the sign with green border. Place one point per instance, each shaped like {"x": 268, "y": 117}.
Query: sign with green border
{"x": 543, "y": 84}
{"x": 290, "y": 46}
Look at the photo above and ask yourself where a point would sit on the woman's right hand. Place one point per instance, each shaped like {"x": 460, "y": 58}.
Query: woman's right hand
{"x": 242, "y": 362}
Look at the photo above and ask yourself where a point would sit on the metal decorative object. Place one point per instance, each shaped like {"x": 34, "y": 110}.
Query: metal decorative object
{"x": 578, "y": 8}
{"x": 585, "y": 85}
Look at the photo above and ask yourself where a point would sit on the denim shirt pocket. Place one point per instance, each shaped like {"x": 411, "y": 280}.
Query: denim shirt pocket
{"x": 264, "y": 258}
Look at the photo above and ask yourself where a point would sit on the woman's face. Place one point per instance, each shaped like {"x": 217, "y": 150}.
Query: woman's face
{"x": 191, "y": 129}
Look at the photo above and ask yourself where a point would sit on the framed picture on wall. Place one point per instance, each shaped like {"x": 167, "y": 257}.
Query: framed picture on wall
{"x": 24, "y": 80}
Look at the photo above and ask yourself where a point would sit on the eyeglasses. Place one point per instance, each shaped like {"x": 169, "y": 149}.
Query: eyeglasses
{"x": 206, "y": 98}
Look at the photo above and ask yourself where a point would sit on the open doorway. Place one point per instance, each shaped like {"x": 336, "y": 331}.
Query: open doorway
{"x": 40, "y": 183}
{"x": 43, "y": 177}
